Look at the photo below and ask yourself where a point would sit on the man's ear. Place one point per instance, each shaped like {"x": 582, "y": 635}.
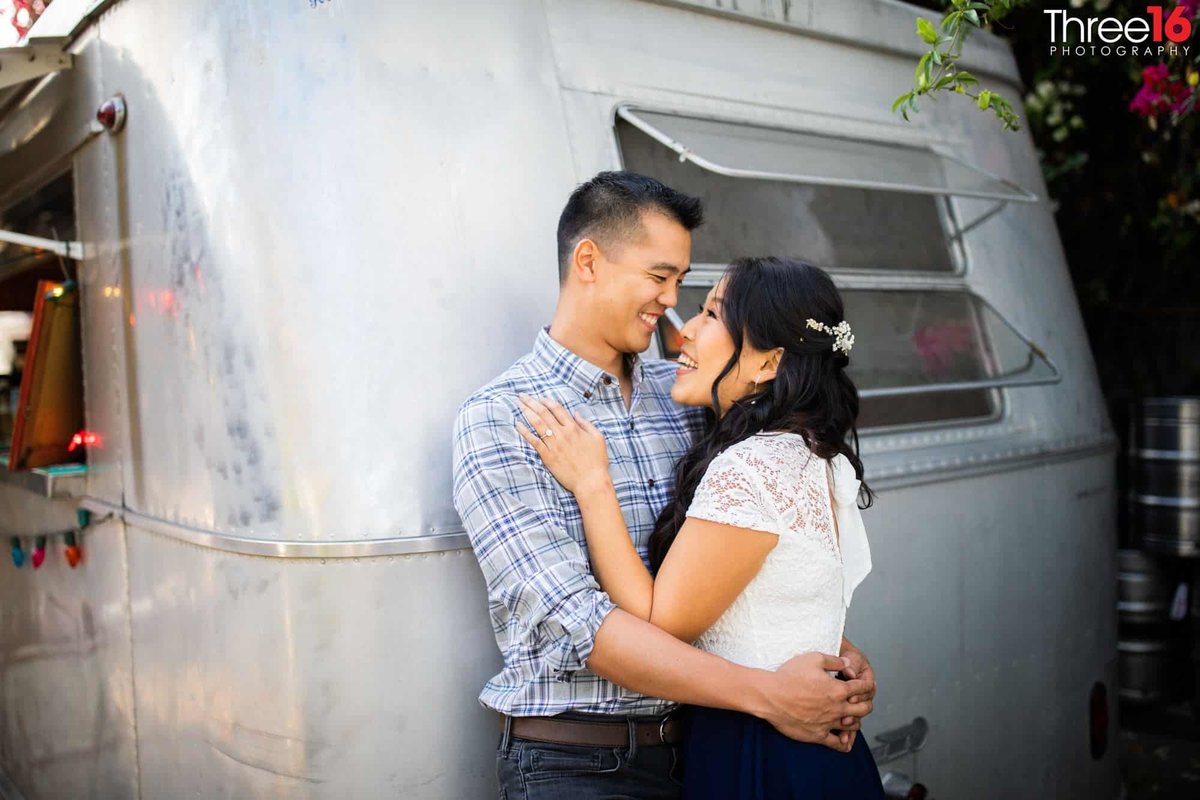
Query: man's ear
{"x": 584, "y": 259}
{"x": 770, "y": 365}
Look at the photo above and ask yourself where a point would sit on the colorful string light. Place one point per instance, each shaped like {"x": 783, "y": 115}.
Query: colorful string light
{"x": 38, "y": 555}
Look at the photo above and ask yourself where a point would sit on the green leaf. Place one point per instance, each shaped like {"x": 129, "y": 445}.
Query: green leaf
{"x": 964, "y": 77}
{"x": 922, "y": 75}
{"x": 927, "y": 31}
{"x": 900, "y": 100}
{"x": 937, "y": 57}
{"x": 973, "y": 17}
{"x": 1000, "y": 8}
{"x": 985, "y": 99}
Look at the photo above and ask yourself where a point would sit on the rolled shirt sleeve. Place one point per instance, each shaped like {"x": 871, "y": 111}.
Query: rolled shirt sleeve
{"x": 546, "y": 605}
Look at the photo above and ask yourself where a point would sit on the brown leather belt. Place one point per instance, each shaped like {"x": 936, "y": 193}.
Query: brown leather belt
{"x": 556, "y": 730}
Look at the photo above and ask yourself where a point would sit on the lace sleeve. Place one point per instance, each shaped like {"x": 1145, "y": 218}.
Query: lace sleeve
{"x": 729, "y": 494}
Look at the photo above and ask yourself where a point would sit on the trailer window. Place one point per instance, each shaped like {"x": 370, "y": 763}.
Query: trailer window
{"x": 919, "y": 356}
{"x": 30, "y": 272}
{"x": 841, "y": 203}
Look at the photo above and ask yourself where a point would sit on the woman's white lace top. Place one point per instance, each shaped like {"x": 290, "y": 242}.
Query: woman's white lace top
{"x": 797, "y": 602}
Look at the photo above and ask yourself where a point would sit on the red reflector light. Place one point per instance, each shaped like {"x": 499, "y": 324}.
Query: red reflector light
{"x": 1098, "y": 716}
{"x": 85, "y": 439}
{"x": 111, "y": 114}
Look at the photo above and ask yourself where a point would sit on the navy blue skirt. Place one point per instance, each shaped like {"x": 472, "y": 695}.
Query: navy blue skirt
{"x": 732, "y": 756}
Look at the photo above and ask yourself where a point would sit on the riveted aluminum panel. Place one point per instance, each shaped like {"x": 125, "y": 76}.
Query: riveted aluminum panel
{"x": 302, "y": 678}
{"x": 66, "y": 673}
{"x": 324, "y": 253}
{"x": 101, "y": 215}
{"x": 991, "y": 612}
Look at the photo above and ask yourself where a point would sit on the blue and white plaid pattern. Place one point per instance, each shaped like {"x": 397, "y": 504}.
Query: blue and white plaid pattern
{"x": 527, "y": 531}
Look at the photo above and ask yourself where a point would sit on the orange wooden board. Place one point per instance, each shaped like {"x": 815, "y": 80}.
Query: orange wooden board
{"x": 50, "y": 409}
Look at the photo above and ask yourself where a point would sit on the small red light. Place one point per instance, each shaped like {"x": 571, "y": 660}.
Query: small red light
{"x": 111, "y": 114}
{"x": 38, "y": 555}
{"x": 85, "y": 439}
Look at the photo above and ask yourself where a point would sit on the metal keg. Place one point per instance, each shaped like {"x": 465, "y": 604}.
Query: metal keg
{"x": 1151, "y": 670}
{"x": 1165, "y": 446}
{"x": 1144, "y": 592}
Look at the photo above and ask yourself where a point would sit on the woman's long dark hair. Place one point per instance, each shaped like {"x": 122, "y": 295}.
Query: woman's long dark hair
{"x": 767, "y": 302}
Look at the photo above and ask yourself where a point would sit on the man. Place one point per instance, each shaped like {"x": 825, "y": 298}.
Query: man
{"x": 580, "y": 690}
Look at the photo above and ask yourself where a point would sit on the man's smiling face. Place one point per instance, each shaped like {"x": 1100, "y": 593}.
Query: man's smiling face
{"x": 638, "y": 279}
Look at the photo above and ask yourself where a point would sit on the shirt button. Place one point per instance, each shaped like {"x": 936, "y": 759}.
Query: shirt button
{"x": 587, "y": 395}
{"x": 607, "y": 381}
{"x": 650, "y": 483}
{"x": 630, "y": 424}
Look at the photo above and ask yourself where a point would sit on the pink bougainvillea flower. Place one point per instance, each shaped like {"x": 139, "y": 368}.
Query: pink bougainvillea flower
{"x": 1156, "y": 75}
{"x": 1143, "y": 102}
{"x": 1160, "y": 93}
{"x": 1192, "y": 6}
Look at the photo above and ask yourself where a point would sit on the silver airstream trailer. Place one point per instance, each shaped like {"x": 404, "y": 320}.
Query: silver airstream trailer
{"x": 323, "y": 223}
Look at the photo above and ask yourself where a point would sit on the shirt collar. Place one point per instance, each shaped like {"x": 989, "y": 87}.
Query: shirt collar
{"x": 581, "y": 376}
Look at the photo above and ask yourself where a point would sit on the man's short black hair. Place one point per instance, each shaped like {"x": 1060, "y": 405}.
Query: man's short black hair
{"x": 608, "y": 209}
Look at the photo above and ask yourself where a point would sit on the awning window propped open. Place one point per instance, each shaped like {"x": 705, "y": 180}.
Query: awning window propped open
{"x": 747, "y": 151}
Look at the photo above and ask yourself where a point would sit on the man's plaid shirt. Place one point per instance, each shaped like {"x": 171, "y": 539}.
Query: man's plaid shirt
{"x": 527, "y": 531}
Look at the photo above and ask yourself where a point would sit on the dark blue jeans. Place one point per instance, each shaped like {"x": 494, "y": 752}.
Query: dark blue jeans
{"x": 539, "y": 771}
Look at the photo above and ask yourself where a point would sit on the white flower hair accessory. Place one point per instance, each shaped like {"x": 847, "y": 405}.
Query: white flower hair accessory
{"x": 843, "y": 338}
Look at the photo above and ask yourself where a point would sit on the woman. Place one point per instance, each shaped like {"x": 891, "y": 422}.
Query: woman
{"x": 757, "y": 554}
